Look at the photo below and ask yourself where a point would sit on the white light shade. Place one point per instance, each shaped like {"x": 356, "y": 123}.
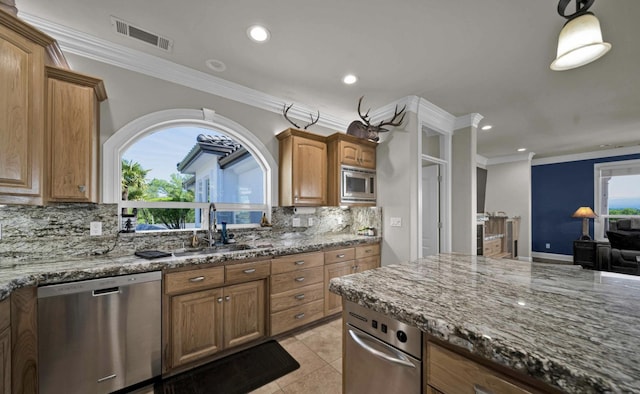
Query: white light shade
{"x": 580, "y": 42}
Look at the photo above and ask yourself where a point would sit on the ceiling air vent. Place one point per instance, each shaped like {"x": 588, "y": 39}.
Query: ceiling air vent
{"x": 127, "y": 29}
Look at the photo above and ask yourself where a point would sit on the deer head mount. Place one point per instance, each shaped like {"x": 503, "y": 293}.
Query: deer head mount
{"x": 286, "y": 109}
{"x": 365, "y": 130}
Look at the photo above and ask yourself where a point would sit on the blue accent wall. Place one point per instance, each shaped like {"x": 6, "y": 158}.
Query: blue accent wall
{"x": 557, "y": 190}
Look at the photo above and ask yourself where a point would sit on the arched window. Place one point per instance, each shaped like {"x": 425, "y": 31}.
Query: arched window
{"x": 169, "y": 166}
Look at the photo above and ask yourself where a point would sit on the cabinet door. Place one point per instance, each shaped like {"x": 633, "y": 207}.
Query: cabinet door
{"x": 367, "y": 157}
{"x": 367, "y": 263}
{"x": 349, "y": 153}
{"x": 5, "y": 361}
{"x": 333, "y": 302}
{"x": 72, "y": 126}
{"x": 309, "y": 172}
{"x": 196, "y": 325}
{"x": 244, "y": 313}
{"x": 21, "y": 119}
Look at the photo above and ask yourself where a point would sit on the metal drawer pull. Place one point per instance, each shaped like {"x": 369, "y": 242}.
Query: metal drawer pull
{"x": 106, "y": 378}
{"x": 341, "y": 255}
{"x": 477, "y": 389}
{"x": 300, "y": 279}
{"x": 299, "y": 297}
{"x": 197, "y": 279}
{"x": 249, "y": 271}
{"x": 299, "y": 316}
{"x": 219, "y": 300}
{"x": 367, "y": 250}
{"x": 300, "y": 262}
{"x": 227, "y": 298}
{"x": 82, "y": 188}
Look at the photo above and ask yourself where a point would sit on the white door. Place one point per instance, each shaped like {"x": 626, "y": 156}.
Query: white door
{"x": 430, "y": 210}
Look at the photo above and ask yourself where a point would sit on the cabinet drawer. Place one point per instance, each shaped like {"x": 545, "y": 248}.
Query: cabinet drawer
{"x": 247, "y": 271}
{"x": 295, "y": 297}
{"x": 177, "y": 282}
{"x": 339, "y": 255}
{"x": 295, "y": 262}
{"x": 296, "y": 316}
{"x": 296, "y": 279}
{"x": 367, "y": 250}
{"x": 453, "y": 373}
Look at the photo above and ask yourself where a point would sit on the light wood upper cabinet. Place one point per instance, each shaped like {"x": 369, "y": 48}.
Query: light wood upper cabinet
{"x": 21, "y": 113}
{"x": 73, "y": 114}
{"x": 303, "y": 168}
{"x": 344, "y": 149}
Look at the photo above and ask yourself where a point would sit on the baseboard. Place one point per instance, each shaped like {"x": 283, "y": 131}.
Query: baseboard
{"x": 541, "y": 257}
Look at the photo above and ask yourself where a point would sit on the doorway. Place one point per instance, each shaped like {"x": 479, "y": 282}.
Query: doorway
{"x": 430, "y": 209}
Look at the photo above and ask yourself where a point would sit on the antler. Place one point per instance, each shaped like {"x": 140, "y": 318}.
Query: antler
{"x": 286, "y": 109}
{"x": 390, "y": 122}
{"x": 365, "y": 117}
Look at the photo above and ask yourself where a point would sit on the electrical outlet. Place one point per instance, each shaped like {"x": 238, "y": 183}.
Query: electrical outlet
{"x": 395, "y": 222}
{"x": 548, "y": 246}
{"x": 95, "y": 228}
{"x": 295, "y": 222}
{"x": 311, "y": 222}
{"x": 339, "y": 219}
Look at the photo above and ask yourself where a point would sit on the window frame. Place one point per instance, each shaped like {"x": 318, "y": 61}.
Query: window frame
{"x": 205, "y": 118}
{"x": 631, "y": 166}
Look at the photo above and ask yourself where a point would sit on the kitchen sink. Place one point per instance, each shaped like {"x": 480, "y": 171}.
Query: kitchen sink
{"x": 225, "y": 248}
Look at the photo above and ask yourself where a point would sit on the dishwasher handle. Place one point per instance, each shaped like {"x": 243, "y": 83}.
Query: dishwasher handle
{"x": 399, "y": 359}
{"x": 105, "y": 292}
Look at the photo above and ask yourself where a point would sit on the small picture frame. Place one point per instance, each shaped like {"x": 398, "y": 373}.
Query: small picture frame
{"x": 128, "y": 222}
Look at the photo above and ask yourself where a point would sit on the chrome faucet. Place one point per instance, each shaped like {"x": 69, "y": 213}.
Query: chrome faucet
{"x": 212, "y": 224}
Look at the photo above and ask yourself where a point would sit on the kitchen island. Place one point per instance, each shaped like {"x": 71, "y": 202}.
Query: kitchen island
{"x": 574, "y": 330}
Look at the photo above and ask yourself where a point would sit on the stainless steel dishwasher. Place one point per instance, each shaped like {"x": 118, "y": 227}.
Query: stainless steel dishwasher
{"x": 101, "y": 335}
{"x": 382, "y": 355}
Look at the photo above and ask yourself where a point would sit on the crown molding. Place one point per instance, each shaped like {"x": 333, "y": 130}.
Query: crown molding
{"x": 630, "y": 150}
{"x": 469, "y": 120}
{"x": 85, "y": 45}
{"x": 525, "y": 156}
{"x": 481, "y": 161}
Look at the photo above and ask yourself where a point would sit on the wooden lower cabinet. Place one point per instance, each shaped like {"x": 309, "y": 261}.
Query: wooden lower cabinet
{"x": 344, "y": 262}
{"x": 208, "y": 321}
{"x": 333, "y": 302}
{"x": 5, "y": 346}
{"x": 447, "y": 371}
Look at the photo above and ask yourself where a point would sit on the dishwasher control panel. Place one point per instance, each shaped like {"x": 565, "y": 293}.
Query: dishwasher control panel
{"x": 396, "y": 333}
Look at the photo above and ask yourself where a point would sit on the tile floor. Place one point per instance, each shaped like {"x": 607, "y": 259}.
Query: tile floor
{"x": 319, "y": 353}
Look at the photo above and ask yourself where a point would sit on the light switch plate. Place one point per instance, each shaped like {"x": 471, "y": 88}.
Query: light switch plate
{"x": 395, "y": 222}
{"x": 95, "y": 228}
{"x": 311, "y": 222}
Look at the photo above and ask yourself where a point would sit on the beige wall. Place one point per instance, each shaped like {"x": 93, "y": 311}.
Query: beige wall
{"x": 463, "y": 191}
{"x": 509, "y": 190}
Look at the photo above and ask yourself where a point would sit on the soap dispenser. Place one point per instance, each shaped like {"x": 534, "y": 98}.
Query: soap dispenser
{"x": 194, "y": 239}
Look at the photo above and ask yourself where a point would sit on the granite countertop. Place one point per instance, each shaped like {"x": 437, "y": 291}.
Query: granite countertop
{"x": 14, "y": 275}
{"x": 575, "y": 329}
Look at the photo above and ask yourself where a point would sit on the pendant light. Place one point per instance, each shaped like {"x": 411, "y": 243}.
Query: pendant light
{"x": 580, "y": 41}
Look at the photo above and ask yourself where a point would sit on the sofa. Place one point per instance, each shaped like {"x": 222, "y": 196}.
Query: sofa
{"x": 624, "y": 237}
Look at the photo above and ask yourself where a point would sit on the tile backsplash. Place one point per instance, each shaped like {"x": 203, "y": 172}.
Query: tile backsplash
{"x": 50, "y": 232}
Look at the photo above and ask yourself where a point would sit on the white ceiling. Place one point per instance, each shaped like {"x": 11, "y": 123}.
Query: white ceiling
{"x": 491, "y": 57}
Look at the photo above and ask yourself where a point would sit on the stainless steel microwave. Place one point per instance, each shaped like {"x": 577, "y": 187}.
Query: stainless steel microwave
{"x": 358, "y": 185}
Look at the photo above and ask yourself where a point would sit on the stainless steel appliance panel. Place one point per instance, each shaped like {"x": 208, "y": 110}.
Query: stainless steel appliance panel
{"x": 382, "y": 355}
{"x": 357, "y": 185}
{"x": 100, "y": 335}
{"x": 375, "y": 367}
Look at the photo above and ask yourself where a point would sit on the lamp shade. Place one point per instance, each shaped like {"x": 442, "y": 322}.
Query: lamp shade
{"x": 580, "y": 42}
{"x": 584, "y": 212}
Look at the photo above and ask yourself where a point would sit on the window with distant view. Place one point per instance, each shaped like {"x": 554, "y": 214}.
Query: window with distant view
{"x": 191, "y": 167}
{"x": 618, "y": 192}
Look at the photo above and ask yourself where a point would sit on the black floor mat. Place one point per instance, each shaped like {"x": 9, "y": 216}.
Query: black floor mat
{"x": 238, "y": 373}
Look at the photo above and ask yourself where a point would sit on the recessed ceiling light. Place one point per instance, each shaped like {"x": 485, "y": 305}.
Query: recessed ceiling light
{"x": 258, "y": 33}
{"x": 487, "y": 127}
{"x": 522, "y": 149}
{"x": 350, "y": 79}
{"x": 216, "y": 65}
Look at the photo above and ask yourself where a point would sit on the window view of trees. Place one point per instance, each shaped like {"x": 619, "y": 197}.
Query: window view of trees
{"x": 137, "y": 187}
